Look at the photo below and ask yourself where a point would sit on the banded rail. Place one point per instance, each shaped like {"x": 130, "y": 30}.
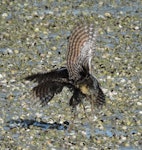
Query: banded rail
{"x": 77, "y": 75}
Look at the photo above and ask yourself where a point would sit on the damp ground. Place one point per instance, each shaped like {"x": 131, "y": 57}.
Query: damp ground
{"x": 33, "y": 38}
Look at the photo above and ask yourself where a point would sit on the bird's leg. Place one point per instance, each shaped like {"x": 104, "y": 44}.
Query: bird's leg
{"x": 75, "y": 114}
{"x": 85, "y": 112}
{"x": 91, "y": 98}
{"x": 73, "y": 117}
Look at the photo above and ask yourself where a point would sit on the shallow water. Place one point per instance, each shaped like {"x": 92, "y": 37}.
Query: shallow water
{"x": 33, "y": 39}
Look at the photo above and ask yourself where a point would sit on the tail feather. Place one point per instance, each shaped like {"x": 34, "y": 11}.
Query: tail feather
{"x": 100, "y": 99}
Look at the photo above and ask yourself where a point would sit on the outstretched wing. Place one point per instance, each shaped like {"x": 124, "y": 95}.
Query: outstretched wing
{"x": 45, "y": 91}
{"x": 81, "y": 49}
{"x": 59, "y": 75}
{"x": 49, "y": 84}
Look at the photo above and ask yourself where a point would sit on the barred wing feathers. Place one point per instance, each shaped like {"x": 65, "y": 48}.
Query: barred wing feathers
{"x": 76, "y": 76}
{"x": 49, "y": 84}
{"x": 81, "y": 49}
{"x": 59, "y": 75}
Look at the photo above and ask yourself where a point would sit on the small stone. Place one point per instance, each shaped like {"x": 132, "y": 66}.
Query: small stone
{"x": 1, "y": 121}
{"x": 140, "y": 112}
{"x": 136, "y": 28}
{"x": 9, "y": 51}
{"x": 117, "y": 58}
{"x": 108, "y": 77}
{"x": 123, "y": 80}
{"x": 16, "y": 51}
{"x": 139, "y": 103}
{"x": 36, "y": 30}
{"x": 1, "y": 76}
{"x": 108, "y": 14}
{"x": 4, "y": 15}
{"x": 54, "y": 48}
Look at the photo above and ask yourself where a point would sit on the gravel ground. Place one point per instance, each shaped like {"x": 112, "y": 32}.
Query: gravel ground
{"x": 33, "y": 38}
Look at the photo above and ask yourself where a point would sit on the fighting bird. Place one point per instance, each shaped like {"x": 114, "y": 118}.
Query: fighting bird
{"x": 77, "y": 75}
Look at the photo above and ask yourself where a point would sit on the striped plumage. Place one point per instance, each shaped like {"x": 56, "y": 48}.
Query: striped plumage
{"x": 76, "y": 76}
{"x": 81, "y": 49}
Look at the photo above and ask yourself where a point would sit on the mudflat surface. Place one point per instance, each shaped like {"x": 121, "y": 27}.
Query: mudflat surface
{"x": 33, "y": 38}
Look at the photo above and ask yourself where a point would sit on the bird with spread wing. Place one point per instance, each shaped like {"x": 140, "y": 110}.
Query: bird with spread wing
{"x": 77, "y": 75}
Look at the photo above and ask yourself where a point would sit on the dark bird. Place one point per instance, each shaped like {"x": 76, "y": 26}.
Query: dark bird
{"x": 76, "y": 76}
